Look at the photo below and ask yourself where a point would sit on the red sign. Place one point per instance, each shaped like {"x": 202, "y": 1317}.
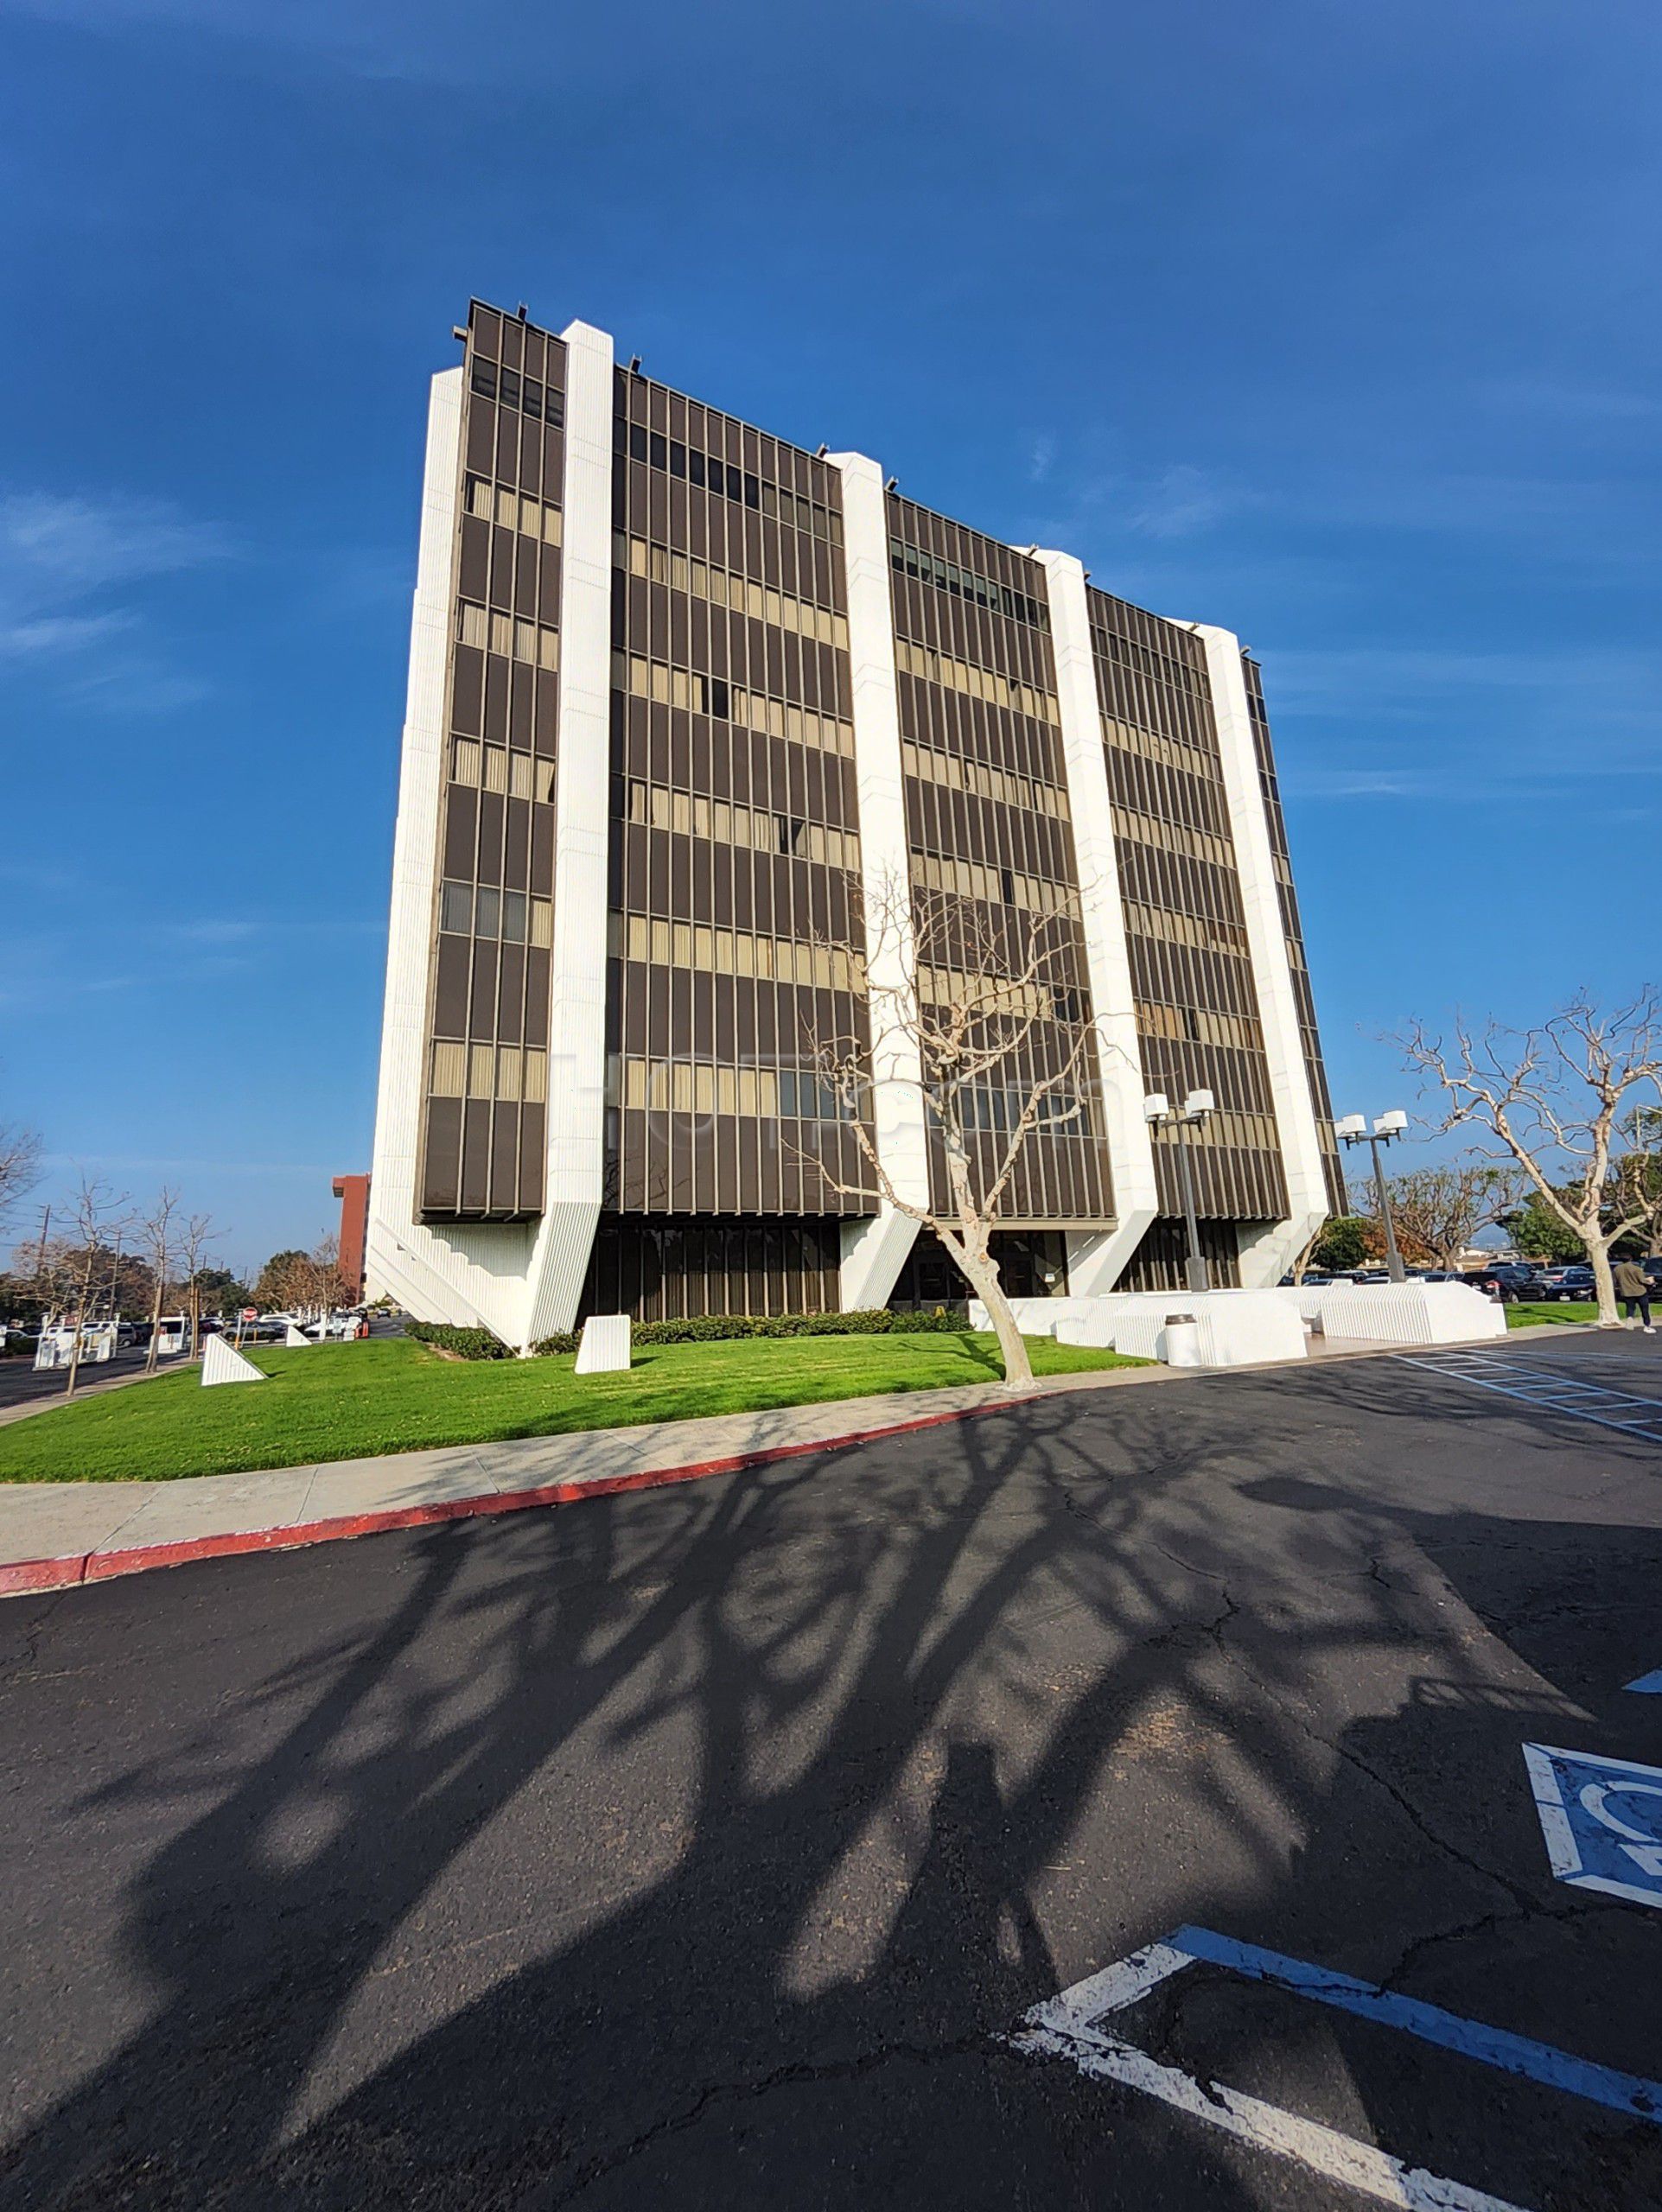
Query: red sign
{"x": 250, "y": 1313}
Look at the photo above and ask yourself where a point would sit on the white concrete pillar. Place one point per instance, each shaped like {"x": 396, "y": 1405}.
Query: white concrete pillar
{"x": 875, "y": 1247}
{"x": 1266, "y": 1253}
{"x": 577, "y": 1056}
{"x": 522, "y": 1280}
{"x": 1096, "y": 1257}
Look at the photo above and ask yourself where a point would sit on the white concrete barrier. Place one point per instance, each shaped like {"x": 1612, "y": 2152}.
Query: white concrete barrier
{"x": 1239, "y": 1327}
{"x": 1230, "y": 1328}
{"x": 1043, "y": 1317}
{"x": 223, "y": 1363}
{"x": 1234, "y": 1328}
{"x": 1408, "y": 1313}
{"x": 605, "y": 1344}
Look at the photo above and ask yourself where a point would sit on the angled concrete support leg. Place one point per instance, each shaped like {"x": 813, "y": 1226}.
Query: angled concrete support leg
{"x": 875, "y": 1250}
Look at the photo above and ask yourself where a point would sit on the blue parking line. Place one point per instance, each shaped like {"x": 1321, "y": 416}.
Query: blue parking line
{"x": 1649, "y": 1684}
{"x": 1533, "y": 2062}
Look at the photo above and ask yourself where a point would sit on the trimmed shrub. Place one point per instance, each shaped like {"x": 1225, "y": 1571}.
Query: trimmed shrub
{"x": 721, "y": 1328}
{"x": 465, "y": 1343}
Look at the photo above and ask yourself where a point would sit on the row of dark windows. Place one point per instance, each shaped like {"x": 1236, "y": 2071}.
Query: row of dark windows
{"x": 668, "y": 1270}
{"x": 964, "y": 583}
{"x": 509, "y": 389}
{"x": 775, "y": 460}
{"x": 1134, "y": 627}
{"x": 714, "y": 474}
{"x": 995, "y": 1109}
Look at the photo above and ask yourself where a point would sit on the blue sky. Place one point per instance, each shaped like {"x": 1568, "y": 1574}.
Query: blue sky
{"x": 1336, "y": 326}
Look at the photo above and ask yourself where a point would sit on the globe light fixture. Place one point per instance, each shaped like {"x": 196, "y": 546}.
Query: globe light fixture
{"x": 1354, "y": 1131}
{"x": 1159, "y": 1113}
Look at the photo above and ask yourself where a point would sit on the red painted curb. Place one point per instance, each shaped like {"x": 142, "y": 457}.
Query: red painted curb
{"x": 24, "y": 1576}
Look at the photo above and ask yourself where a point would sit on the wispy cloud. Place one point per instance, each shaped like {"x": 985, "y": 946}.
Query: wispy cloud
{"x": 1464, "y": 726}
{"x": 59, "y": 551}
{"x": 1565, "y": 397}
{"x": 79, "y": 544}
{"x": 57, "y": 634}
{"x": 126, "y": 1164}
{"x": 1112, "y": 513}
{"x": 1455, "y": 502}
{"x": 1415, "y": 681}
{"x": 163, "y": 956}
{"x": 1181, "y": 500}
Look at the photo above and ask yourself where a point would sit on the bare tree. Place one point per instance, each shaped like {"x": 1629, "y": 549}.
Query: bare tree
{"x": 20, "y": 1166}
{"x": 1437, "y": 1210}
{"x": 308, "y": 1284}
{"x": 982, "y": 1013}
{"x": 197, "y": 1237}
{"x": 97, "y": 1212}
{"x": 1555, "y": 1098}
{"x": 158, "y": 1235}
{"x": 328, "y": 1287}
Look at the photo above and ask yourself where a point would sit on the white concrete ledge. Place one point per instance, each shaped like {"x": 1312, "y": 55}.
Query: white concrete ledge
{"x": 1240, "y": 1328}
{"x": 1404, "y": 1313}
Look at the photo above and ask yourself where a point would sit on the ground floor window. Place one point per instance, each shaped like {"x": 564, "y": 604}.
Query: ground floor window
{"x": 667, "y": 1267}
{"x": 1032, "y": 1263}
{"x": 1157, "y": 1263}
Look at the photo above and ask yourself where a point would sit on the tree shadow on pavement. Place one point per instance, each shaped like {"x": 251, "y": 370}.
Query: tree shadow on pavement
{"x": 701, "y": 1843}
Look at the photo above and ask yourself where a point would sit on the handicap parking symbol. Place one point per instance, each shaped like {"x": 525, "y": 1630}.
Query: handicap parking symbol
{"x": 1601, "y": 1818}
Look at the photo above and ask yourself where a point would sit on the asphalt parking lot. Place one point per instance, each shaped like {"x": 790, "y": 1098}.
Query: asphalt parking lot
{"x": 715, "y": 1845}
{"x": 20, "y": 1383}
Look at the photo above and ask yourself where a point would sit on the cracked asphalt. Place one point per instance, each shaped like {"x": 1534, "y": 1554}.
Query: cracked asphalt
{"x": 700, "y": 1846}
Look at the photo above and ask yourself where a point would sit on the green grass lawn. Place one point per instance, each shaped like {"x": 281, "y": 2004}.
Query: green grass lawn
{"x": 349, "y": 1402}
{"x": 1532, "y": 1317}
{"x": 1525, "y": 1315}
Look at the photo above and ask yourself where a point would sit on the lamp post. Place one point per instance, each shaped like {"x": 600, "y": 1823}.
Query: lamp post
{"x": 1354, "y": 1130}
{"x": 1160, "y": 1114}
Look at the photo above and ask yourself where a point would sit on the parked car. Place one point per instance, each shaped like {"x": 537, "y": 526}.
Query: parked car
{"x": 1370, "y": 1275}
{"x": 1517, "y": 1282}
{"x": 1506, "y": 1280}
{"x": 1577, "y": 1282}
{"x": 1653, "y": 1267}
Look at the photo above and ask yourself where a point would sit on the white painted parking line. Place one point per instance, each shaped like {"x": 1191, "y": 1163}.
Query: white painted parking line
{"x": 1266, "y": 2127}
{"x": 1626, "y": 1411}
{"x": 1068, "y": 2027}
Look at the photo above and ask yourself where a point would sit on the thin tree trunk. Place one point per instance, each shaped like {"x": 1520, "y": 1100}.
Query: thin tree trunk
{"x": 80, "y": 1324}
{"x": 156, "y": 1329}
{"x": 1599, "y": 1254}
{"x": 982, "y": 1270}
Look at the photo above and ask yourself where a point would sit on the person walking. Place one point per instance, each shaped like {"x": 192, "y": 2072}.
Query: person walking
{"x": 1633, "y": 1289}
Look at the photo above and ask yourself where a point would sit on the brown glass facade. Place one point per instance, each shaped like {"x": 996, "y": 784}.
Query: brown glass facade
{"x": 989, "y": 845}
{"x": 735, "y": 940}
{"x": 1193, "y": 989}
{"x": 1293, "y": 930}
{"x": 482, "y": 1145}
{"x": 735, "y": 847}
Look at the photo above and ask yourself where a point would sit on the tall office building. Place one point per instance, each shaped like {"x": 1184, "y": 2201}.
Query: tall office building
{"x": 686, "y": 704}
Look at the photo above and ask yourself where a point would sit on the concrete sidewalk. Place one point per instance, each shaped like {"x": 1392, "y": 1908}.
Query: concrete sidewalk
{"x": 56, "y": 1533}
